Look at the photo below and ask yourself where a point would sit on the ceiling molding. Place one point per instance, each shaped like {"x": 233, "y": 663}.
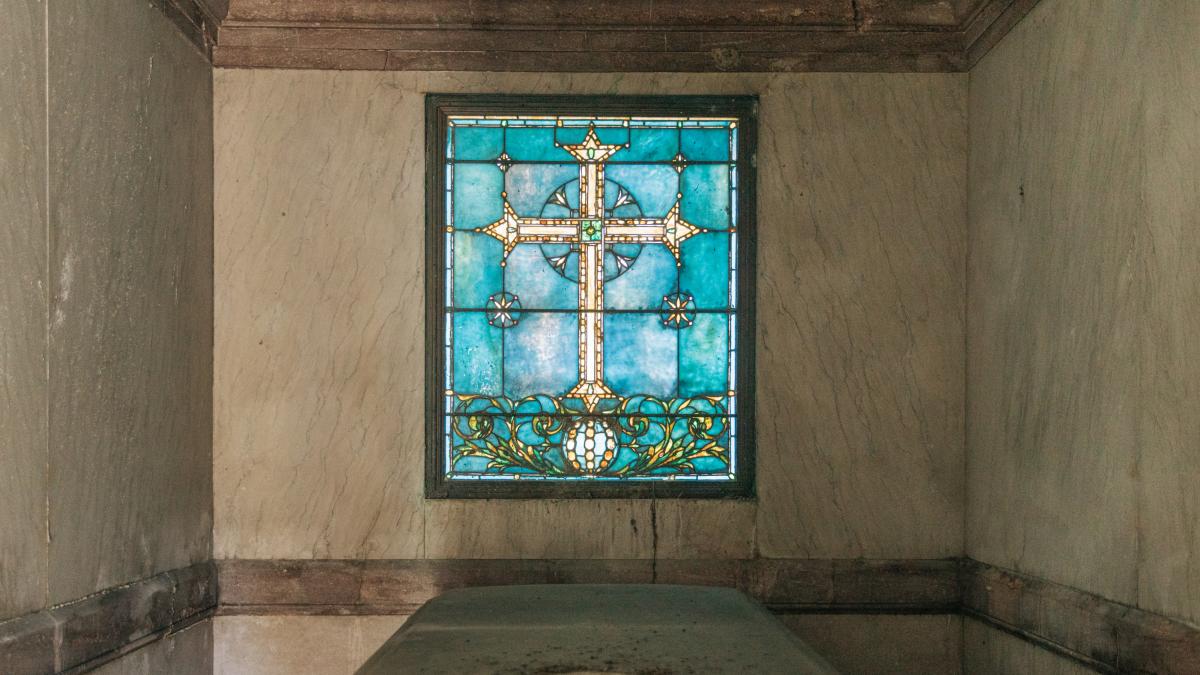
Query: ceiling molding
{"x": 613, "y": 35}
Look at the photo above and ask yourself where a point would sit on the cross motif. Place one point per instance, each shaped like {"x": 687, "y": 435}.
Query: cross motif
{"x": 592, "y": 232}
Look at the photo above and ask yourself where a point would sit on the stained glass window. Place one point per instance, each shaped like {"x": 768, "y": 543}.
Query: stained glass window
{"x": 590, "y": 296}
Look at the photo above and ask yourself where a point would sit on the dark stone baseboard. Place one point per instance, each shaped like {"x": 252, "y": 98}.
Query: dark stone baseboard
{"x": 80, "y": 635}
{"x": 401, "y": 586}
{"x": 1101, "y": 634}
{"x": 1107, "y": 636}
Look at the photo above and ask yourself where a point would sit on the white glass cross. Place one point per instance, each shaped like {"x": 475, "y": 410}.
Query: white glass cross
{"x": 591, "y": 232}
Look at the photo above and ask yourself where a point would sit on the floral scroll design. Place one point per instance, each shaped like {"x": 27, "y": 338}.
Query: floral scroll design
{"x": 525, "y": 436}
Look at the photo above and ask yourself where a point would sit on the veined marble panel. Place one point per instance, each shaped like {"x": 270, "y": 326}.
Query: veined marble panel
{"x": 704, "y": 529}
{"x": 284, "y": 645}
{"x": 22, "y": 307}
{"x": 860, "y": 316}
{"x": 1169, "y": 387}
{"x": 130, "y": 286}
{"x": 320, "y": 328}
{"x": 1082, "y": 464}
{"x": 568, "y": 528}
{"x": 319, "y": 375}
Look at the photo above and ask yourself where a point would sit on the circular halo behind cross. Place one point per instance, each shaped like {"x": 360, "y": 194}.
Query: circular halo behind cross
{"x": 590, "y": 446}
{"x": 678, "y": 310}
{"x": 504, "y": 310}
{"x": 619, "y": 202}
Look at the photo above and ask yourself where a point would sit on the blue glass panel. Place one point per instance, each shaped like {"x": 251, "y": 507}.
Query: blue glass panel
{"x": 534, "y": 144}
{"x": 477, "y": 200}
{"x": 704, "y": 357}
{"x": 477, "y": 271}
{"x": 541, "y": 354}
{"x": 639, "y": 355}
{"x": 654, "y": 186}
{"x": 650, "y": 145}
{"x": 705, "y": 189}
{"x": 531, "y": 186}
{"x": 706, "y": 144}
{"x": 530, "y": 277}
{"x": 574, "y": 131}
{"x": 478, "y": 142}
{"x": 712, "y": 465}
{"x": 705, "y": 270}
{"x": 476, "y": 355}
{"x": 643, "y": 285}
{"x": 469, "y": 464}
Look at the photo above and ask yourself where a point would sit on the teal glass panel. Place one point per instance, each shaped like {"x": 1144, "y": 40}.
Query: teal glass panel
{"x": 707, "y": 145}
{"x": 478, "y": 142}
{"x": 541, "y": 355}
{"x": 704, "y": 356}
{"x": 660, "y": 145}
{"x": 706, "y": 196}
{"x": 712, "y": 465}
{"x": 534, "y": 144}
{"x": 574, "y": 131}
{"x": 532, "y": 278}
{"x": 477, "y": 271}
{"x": 640, "y": 355}
{"x": 531, "y": 188}
{"x": 476, "y": 354}
{"x": 704, "y": 271}
{"x": 650, "y": 276}
{"x": 476, "y": 195}
{"x": 468, "y": 464}
{"x": 654, "y": 186}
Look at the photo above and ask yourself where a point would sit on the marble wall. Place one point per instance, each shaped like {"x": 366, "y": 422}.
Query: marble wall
{"x": 23, "y": 305}
{"x": 107, "y": 331}
{"x": 1084, "y": 279}
{"x": 284, "y": 645}
{"x": 318, "y": 447}
{"x": 131, "y": 297}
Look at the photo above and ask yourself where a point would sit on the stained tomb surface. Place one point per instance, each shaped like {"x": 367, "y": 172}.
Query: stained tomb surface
{"x": 658, "y": 629}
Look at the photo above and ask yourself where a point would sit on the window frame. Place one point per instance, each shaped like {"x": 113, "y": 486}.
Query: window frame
{"x": 438, "y": 109}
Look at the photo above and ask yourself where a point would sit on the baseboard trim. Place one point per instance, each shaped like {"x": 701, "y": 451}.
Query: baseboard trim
{"x": 82, "y": 634}
{"x": 1107, "y": 636}
{"x": 355, "y": 587}
{"x": 1100, "y": 634}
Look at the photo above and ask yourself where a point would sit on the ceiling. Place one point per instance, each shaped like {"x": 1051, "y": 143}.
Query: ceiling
{"x": 611, "y": 35}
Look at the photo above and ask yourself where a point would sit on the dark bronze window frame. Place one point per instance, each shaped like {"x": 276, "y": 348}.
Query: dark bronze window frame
{"x": 438, "y": 108}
